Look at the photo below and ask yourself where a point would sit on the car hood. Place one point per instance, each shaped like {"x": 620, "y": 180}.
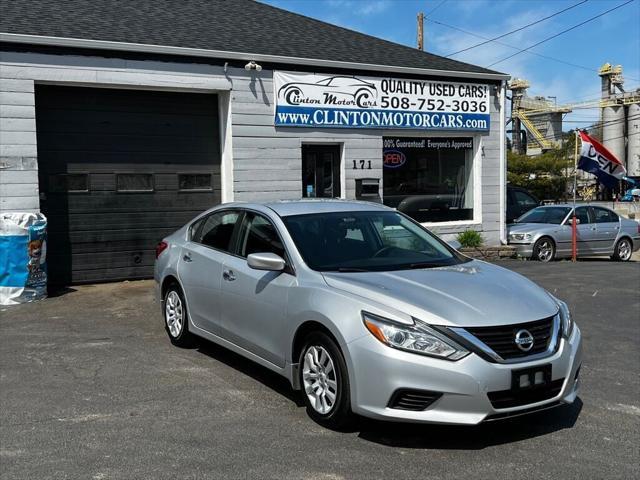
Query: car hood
{"x": 470, "y": 294}
{"x": 528, "y": 227}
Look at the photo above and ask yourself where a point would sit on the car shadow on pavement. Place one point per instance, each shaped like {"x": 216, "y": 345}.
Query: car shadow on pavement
{"x": 447, "y": 437}
{"x": 247, "y": 367}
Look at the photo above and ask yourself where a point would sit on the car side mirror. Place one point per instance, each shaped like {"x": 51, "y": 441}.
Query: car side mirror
{"x": 455, "y": 244}
{"x": 266, "y": 261}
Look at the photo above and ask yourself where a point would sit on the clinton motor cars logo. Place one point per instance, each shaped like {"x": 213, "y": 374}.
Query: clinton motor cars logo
{"x": 393, "y": 159}
{"x": 338, "y": 90}
{"x": 348, "y": 101}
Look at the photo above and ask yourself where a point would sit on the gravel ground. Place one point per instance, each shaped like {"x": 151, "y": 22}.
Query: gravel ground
{"x": 90, "y": 388}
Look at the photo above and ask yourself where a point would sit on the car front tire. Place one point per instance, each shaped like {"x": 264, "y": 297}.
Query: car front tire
{"x": 176, "y": 321}
{"x": 325, "y": 382}
{"x": 544, "y": 250}
{"x": 623, "y": 250}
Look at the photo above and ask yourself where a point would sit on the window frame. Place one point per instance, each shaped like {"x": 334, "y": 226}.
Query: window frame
{"x": 195, "y": 190}
{"x": 610, "y": 212}
{"x": 66, "y": 190}
{"x": 153, "y": 182}
{"x": 200, "y": 221}
{"x": 289, "y": 268}
{"x": 589, "y": 215}
{"x": 475, "y": 158}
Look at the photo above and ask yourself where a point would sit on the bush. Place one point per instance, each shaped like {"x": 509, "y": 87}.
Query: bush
{"x": 470, "y": 239}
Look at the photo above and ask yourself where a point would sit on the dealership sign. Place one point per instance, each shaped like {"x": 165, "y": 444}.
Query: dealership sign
{"x": 344, "y": 101}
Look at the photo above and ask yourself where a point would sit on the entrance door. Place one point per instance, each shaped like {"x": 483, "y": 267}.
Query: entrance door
{"x": 320, "y": 171}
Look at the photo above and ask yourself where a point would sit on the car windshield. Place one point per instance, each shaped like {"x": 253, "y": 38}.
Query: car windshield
{"x": 367, "y": 241}
{"x": 553, "y": 215}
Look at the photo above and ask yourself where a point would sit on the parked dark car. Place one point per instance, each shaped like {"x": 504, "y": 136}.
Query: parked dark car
{"x": 519, "y": 202}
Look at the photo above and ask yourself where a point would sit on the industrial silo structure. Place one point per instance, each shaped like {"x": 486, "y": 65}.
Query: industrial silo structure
{"x": 633, "y": 147}
{"x": 620, "y": 119}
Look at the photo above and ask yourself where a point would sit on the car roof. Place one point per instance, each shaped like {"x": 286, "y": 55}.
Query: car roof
{"x": 285, "y": 208}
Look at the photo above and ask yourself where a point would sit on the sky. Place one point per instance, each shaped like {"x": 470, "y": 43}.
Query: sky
{"x": 612, "y": 38}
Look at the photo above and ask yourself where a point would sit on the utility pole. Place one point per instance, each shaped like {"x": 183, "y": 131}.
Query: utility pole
{"x": 420, "y": 31}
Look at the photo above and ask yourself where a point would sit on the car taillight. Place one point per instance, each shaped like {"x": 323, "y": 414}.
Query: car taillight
{"x": 161, "y": 247}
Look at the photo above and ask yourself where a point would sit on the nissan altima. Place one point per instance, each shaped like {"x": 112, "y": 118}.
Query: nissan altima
{"x": 367, "y": 312}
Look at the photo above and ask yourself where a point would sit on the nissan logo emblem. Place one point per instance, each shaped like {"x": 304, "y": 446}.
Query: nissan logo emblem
{"x": 524, "y": 340}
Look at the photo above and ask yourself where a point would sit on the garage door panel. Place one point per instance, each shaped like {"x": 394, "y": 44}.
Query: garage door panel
{"x": 94, "y": 147}
{"x": 123, "y": 202}
{"x": 105, "y": 162}
{"x": 106, "y": 182}
{"x": 74, "y": 99}
{"x": 106, "y": 260}
{"x": 105, "y": 143}
{"x": 119, "y": 123}
{"x": 113, "y": 221}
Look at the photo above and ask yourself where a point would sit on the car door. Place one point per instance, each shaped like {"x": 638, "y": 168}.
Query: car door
{"x": 607, "y": 228}
{"x": 586, "y": 232}
{"x": 254, "y": 303}
{"x": 200, "y": 267}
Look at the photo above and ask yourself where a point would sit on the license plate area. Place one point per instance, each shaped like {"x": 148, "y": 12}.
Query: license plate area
{"x": 531, "y": 378}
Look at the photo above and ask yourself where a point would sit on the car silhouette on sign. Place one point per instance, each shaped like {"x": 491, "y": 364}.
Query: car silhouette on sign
{"x": 339, "y": 90}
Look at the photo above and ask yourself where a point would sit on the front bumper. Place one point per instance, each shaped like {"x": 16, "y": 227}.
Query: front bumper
{"x": 377, "y": 371}
{"x": 522, "y": 249}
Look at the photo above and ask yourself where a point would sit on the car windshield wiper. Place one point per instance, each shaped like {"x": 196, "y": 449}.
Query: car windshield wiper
{"x": 423, "y": 265}
{"x": 350, "y": 269}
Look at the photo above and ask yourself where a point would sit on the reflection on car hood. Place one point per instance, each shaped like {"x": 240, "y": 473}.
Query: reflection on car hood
{"x": 529, "y": 227}
{"x": 470, "y": 294}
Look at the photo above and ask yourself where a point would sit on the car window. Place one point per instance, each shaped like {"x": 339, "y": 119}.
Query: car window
{"x": 582, "y": 214}
{"x": 602, "y": 215}
{"x": 216, "y": 230}
{"x": 554, "y": 215}
{"x": 524, "y": 199}
{"x": 366, "y": 241}
{"x": 258, "y": 235}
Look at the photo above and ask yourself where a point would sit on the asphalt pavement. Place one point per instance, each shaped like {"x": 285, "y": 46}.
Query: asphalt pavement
{"x": 91, "y": 388}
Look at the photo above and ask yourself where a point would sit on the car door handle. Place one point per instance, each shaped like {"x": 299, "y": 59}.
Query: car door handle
{"x": 187, "y": 257}
{"x": 228, "y": 275}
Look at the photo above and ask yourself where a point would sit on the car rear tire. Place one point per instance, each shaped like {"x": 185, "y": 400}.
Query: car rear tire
{"x": 544, "y": 250}
{"x": 176, "y": 321}
{"x": 623, "y": 250}
{"x": 325, "y": 382}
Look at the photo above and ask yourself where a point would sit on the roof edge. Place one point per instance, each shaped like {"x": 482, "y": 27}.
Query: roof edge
{"x": 202, "y": 52}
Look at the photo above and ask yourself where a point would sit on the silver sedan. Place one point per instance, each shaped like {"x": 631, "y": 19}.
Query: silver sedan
{"x": 545, "y": 233}
{"x": 367, "y": 312}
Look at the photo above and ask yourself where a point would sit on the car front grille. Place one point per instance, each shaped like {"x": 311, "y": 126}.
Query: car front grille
{"x": 502, "y": 339}
{"x": 517, "y": 398}
{"x": 416, "y": 400}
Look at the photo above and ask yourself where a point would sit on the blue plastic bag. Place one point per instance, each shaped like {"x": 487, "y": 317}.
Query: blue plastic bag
{"x": 23, "y": 257}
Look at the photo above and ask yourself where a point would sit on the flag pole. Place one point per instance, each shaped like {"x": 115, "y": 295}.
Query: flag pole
{"x": 574, "y": 226}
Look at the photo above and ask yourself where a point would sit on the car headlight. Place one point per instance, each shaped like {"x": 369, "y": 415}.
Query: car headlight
{"x": 565, "y": 318}
{"x": 521, "y": 236}
{"x": 417, "y": 338}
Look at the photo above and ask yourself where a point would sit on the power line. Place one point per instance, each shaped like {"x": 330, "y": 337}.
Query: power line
{"x": 562, "y": 32}
{"x": 512, "y": 47}
{"x": 436, "y": 8}
{"x": 517, "y": 29}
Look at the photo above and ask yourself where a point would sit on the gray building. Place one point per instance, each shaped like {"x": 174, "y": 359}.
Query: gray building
{"x": 121, "y": 120}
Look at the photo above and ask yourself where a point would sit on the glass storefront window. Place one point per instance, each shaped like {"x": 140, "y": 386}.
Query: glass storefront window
{"x": 429, "y": 179}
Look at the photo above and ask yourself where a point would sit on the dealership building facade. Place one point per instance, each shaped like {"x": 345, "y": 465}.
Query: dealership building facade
{"x": 120, "y": 121}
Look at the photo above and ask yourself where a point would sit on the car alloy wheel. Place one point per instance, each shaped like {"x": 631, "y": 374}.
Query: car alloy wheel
{"x": 176, "y": 320}
{"x": 173, "y": 314}
{"x": 544, "y": 249}
{"x": 623, "y": 250}
{"x": 319, "y": 379}
{"x": 325, "y": 381}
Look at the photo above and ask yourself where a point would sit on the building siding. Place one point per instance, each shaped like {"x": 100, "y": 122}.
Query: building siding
{"x": 265, "y": 160}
